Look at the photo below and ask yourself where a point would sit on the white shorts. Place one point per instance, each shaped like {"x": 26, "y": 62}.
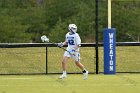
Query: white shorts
{"x": 76, "y": 56}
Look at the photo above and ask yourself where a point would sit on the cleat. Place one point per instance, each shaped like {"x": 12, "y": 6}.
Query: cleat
{"x": 85, "y": 75}
{"x": 62, "y": 76}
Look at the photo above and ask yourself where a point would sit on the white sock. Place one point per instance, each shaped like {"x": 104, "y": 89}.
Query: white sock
{"x": 64, "y": 72}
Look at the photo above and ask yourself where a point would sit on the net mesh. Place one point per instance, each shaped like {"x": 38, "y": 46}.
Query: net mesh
{"x": 127, "y": 59}
{"x": 33, "y": 60}
{"x": 22, "y": 60}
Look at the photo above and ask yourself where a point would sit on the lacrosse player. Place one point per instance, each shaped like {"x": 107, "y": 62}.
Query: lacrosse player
{"x": 74, "y": 42}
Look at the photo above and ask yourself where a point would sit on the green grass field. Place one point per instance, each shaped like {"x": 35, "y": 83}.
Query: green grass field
{"x": 120, "y": 83}
{"x": 33, "y": 60}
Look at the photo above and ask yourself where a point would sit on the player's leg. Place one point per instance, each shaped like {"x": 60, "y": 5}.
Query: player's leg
{"x": 80, "y": 65}
{"x": 64, "y": 65}
{"x": 85, "y": 72}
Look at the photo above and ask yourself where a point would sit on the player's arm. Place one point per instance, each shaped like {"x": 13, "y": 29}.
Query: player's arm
{"x": 78, "y": 42}
{"x": 65, "y": 42}
{"x": 77, "y": 46}
{"x": 61, "y": 44}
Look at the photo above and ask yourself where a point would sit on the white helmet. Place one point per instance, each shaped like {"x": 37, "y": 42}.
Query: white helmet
{"x": 72, "y": 28}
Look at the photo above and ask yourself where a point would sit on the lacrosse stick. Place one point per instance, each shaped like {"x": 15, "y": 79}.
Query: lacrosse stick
{"x": 44, "y": 38}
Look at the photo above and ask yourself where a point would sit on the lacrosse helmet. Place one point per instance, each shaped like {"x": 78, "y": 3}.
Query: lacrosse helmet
{"x": 72, "y": 28}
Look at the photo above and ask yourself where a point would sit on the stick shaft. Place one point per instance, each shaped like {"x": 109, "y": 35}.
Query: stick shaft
{"x": 62, "y": 48}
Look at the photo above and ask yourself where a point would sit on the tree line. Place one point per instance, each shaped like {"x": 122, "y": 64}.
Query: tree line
{"x": 27, "y": 20}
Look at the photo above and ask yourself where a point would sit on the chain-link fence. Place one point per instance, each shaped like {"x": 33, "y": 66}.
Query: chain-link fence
{"x": 46, "y": 58}
{"x": 41, "y": 59}
{"x": 127, "y": 59}
{"x": 22, "y": 60}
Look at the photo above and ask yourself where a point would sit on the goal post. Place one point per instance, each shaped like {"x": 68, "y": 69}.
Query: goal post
{"x": 109, "y": 46}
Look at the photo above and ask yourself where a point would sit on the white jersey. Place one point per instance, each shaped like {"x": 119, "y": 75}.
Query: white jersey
{"x": 73, "y": 40}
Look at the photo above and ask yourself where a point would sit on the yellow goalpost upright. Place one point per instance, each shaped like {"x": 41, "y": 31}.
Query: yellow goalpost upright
{"x": 109, "y": 45}
{"x": 109, "y": 13}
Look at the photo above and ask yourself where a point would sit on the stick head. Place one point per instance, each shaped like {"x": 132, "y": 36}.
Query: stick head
{"x": 44, "y": 38}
